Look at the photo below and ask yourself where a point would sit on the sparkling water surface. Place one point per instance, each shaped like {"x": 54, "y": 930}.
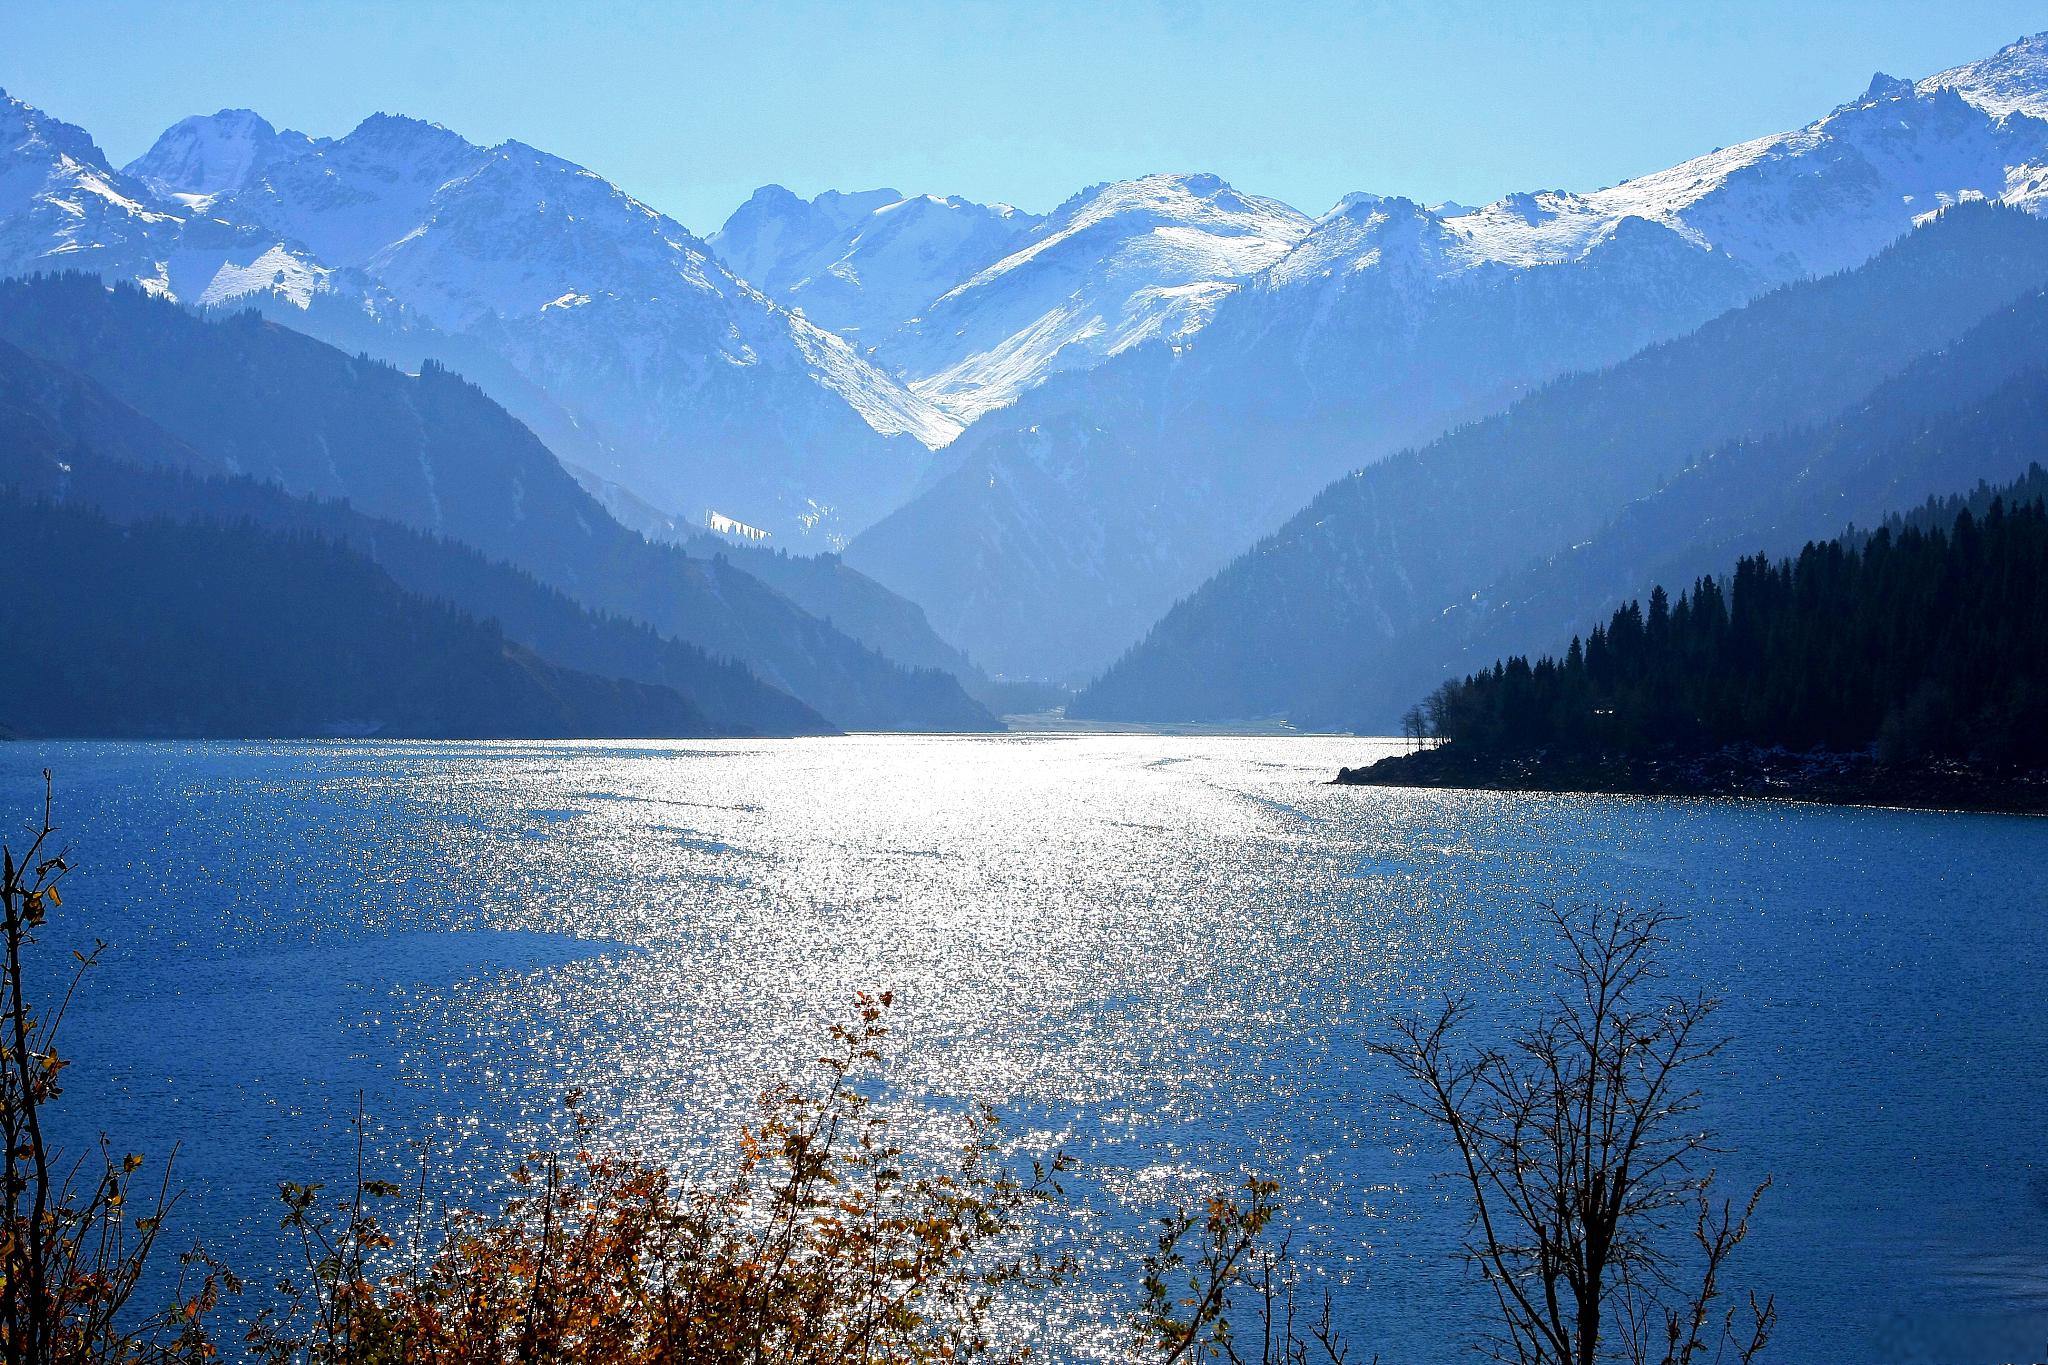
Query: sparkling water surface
{"x": 1163, "y": 954}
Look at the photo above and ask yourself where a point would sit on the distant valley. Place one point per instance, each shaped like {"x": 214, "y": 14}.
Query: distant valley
{"x": 1167, "y": 452}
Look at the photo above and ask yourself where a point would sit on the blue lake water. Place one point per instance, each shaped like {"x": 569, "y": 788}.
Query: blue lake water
{"x": 1162, "y": 953}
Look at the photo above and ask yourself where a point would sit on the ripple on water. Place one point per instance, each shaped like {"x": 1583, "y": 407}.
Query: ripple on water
{"x": 1162, "y": 953}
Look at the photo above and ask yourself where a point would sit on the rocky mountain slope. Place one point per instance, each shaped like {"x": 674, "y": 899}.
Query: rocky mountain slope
{"x": 1332, "y": 597}
{"x": 692, "y": 386}
{"x": 434, "y": 454}
{"x": 1101, "y": 497}
{"x": 862, "y": 264}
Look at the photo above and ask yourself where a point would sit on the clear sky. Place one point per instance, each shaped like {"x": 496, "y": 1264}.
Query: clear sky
{"x": 691, "y": 106}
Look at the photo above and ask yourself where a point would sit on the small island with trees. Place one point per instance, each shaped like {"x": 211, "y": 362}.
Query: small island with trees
{"x": 1902, "y": 666}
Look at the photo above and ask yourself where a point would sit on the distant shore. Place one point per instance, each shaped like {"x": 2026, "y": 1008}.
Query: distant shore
{"x": 1734, "y": 771}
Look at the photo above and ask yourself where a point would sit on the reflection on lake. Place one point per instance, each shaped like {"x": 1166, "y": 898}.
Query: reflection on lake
{"x": 1162, "y": 953}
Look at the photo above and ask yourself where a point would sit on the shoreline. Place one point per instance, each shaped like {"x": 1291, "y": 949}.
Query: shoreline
{"x": 1746, "y": 772}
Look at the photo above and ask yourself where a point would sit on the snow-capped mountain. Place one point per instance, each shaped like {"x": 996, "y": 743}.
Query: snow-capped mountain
{"x": 1155, "y": 372}
{"x": 1070, "y": 522}
{"x": 198, "y": 158}
{"x": 1823, "y": 198}
{"x": 975, "y": 304}
{"x": 2013, "y": 79}
{"x": 709, "y": 396}
{"x": 694, "y": 389}
{"x": 861, "y": 264}
{"x": 1116, "y": 265}
{"x": 1107, "y": 495}
{"x": 770, "y": 239}
{"x": 1386, "y": 565}
{"x": 62, "y": 207}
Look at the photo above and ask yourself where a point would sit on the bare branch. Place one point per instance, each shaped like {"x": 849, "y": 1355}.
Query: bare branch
{"x": 1576, "y": 1147}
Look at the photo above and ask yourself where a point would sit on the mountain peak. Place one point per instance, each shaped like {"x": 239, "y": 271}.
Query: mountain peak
{"x": 212, "y": 154}
{"x": 2013, "y": 79}
{"x": 777, "y": 227}
{"x": 1192, "y": 199}
{"x": 402, "y": 132}
{"x": 859, "y": 201}
{"x": 1117, "y": 265}
{"x": 837, "y": 205}
{"x": 244, "y": 118}
{"x": 525, "y": 153}
{"x": 1357, "y": 204}
{"x": 772, "y": 199}
{"x": 26, "y": 131}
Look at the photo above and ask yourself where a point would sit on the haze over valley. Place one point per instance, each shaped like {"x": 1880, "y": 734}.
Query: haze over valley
{"x": 1039, "y": 430}
{"x": 611, "y": 762}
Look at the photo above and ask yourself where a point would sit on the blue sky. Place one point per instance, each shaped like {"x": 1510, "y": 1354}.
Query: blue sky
{"x": 690, "y": 107}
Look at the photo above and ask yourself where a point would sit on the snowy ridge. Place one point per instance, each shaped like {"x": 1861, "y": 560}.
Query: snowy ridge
{"x": 860, "y": 264}
{"x": 1154, "y": 258}
{"x": 1813, "y": 201}
{"x": 1116, "y": 265}
{"x": 198, "y": 158}
{"x": 695, "y": 386}
{"x": 774, "y": 236}
{"x": 1820, "y": 199}
{"x": 1370, "y": 232}
{"x": 620, "y": 312}
{"x": 359, "y": 194}
{"x": 62, "y": 206}
{"x": 2013, "y": 80}
{"x": 888, "y": 407}
{"x": 1110, "y": 493}
{"x": 888, "y": 264}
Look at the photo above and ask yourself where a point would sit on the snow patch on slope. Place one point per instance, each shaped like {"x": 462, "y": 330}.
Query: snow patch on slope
{"x": 862, "y": 264}
{"x": 1819, "y": 199}
{"x": 2013, "y": 80}
{"x": 276, "y": 271}
{"x": 883, "y": 404}
{"x": 1110, "y": 268}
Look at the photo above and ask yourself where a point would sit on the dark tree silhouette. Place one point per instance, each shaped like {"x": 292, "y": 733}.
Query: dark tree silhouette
{"x": 1578, "y": 1144}
{"x": 1922, "y": 639}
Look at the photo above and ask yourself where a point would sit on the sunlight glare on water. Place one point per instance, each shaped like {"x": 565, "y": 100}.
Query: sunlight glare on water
{"x": 1163, "y": 954}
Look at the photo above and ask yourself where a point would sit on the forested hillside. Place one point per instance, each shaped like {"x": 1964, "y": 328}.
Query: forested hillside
{"x": 243, "y": 396}
{"x": 1328, "y": 599}
{"x": 1921, "y": 640}
{"x": 222, "y": 630}
{"x": 1973, "y": 410}
{"x": 531, "y": 614}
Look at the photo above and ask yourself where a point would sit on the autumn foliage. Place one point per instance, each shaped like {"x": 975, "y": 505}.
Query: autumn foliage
{"x": 822, "y": 1246}
{"x": 826, "y": 1242}
{"x": 76, "y": 1232}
